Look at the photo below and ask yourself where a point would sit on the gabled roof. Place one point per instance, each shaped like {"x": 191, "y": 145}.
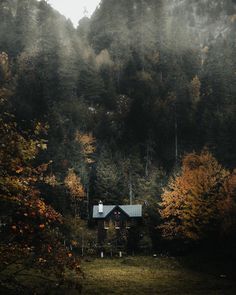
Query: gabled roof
{"x": 130, "y": 210}
{"x": 106, "y": 210}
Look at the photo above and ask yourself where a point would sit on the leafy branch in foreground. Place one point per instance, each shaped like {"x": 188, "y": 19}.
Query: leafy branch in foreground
{"x": 30, "y": 228}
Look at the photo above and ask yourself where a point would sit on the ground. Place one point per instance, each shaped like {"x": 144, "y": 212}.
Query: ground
{"x": 139, "y": 275}
{"x": 148, "y": 275}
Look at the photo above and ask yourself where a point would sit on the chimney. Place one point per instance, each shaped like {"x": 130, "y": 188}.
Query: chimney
{"x": 100, "y": 207}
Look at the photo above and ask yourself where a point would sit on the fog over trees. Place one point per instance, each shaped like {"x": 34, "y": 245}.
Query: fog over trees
{"x": 136, "y": 103}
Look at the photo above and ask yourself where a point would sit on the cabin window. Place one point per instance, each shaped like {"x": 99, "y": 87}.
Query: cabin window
{"x": 127, "y": 224}
{"x": 106, "y": 224}
{"x": 117, "y": 215}
{"x": 117, "y": 224}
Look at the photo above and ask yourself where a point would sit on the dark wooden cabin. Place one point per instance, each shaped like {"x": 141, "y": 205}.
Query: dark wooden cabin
{"x": 122, "y": 218}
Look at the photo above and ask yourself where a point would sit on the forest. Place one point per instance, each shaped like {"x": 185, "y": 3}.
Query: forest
{"x": 135, "y": 105}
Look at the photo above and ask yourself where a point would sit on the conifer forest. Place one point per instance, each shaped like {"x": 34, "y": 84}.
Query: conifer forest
{"x": 135, "y": 107}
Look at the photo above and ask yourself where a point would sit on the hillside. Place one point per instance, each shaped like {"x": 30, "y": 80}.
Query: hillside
{"x": 136, "y": 104}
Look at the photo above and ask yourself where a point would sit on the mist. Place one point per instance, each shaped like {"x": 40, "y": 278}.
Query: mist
{"x": 133, "y": 105}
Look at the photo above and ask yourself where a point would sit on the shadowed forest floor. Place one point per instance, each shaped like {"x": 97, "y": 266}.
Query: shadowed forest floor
{"x": 146, "y": 275}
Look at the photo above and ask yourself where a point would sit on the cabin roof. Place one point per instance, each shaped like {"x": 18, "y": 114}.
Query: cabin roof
{"x": 130, "y": 210}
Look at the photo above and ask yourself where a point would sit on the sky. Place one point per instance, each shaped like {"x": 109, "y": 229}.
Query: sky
{"x": 75, "y": 9}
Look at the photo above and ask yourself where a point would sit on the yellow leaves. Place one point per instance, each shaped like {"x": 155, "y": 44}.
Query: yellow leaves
{"x": 195, "y": 89}
{"x": 74, "y": 243}
{"x": 51, "y": 180}
{"x": 233, "y": 18}
{"x": 73, "y": 183}
{"x": 4, "y": 65}
{"x": 230, "y": 185}
{"x": 191, "y": 199}
{"x": 227, "y": 204}
{"x": 87, "y": 142}
{"x": 40, "y": 128}
{"x": 13, "y": 184}
{"x": 19, "y": 170}
{"x": 85, "y": 139}
{"x": 43, "y": 146}
{"x": 42, "y": 226}
{"x": 41, "y": 207}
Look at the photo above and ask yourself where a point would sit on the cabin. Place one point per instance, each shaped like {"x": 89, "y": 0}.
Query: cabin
{"x": 116, "y": 221}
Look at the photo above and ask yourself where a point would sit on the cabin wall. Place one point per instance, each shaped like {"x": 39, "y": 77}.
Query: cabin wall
{"x": 126, "y": 226}
{"x": 101, "y": 232}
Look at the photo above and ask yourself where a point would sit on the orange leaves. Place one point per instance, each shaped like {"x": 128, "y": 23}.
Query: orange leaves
{"x": 190, "y": 202}
{"x": 74, "y": 243}
{"x": 45, "y": 211}
{"x": 227, "y": 206}
{"x": 42, "y": 168}
{"x": 73, "y": 183}
{"x": 19, "y": 170}
{"x": 87, "y": 142}
{"x": 230, "y": 185}
{"x": 31, "y": 226}
{"x": 41, "y": 207}
{"x": 42, "y": 226}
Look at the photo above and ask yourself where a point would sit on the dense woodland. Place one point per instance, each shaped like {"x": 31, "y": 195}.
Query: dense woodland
{"x": 136, "y": 104}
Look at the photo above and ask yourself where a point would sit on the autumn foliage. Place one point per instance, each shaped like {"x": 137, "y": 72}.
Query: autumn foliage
{"x": 30, "y": 235}
{"x": 74, "y": 185}
{"x": 195, "y": 203}
{"x": 87, "y": 142}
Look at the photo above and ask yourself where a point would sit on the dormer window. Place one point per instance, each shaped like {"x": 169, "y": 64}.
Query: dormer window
{"x": 117, "y": 215}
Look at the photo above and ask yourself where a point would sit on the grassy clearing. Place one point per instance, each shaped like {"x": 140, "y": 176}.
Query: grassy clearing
{"x": 146, "y": 275}
{"x": 140, "y": 276}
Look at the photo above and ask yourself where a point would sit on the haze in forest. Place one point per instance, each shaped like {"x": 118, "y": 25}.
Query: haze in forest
{"x": 136, "y": 105}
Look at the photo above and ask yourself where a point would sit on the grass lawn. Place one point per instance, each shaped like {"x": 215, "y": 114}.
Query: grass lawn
{"x": 148, "y": 275}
